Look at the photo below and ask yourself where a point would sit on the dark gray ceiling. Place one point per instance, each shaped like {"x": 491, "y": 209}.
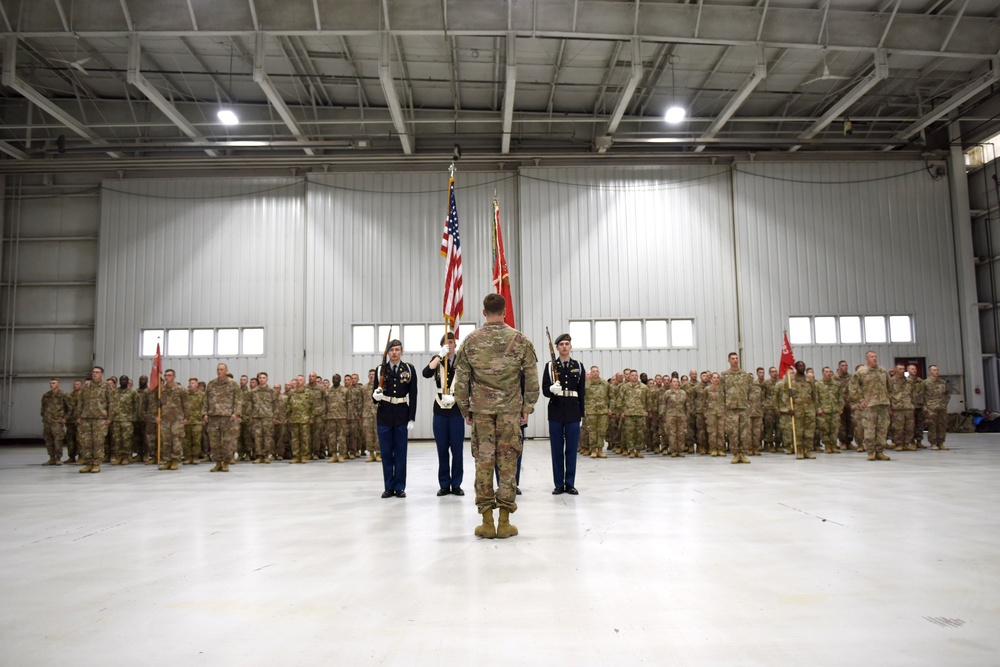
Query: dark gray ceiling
{"x": 315, "y": 81}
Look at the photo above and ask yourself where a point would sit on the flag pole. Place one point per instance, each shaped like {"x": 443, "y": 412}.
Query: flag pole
{"x": 447, "y": 323}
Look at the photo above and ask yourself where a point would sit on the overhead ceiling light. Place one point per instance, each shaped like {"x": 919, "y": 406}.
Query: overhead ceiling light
{"x": 228, "y": 117}
{"x": 675, "y": 114}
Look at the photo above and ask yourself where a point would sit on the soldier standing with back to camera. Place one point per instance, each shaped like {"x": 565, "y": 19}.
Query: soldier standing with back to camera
{"x": 488, "y": 374}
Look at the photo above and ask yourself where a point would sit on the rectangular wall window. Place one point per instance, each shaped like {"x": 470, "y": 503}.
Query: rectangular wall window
{"x": 416, "y": 338}
{"x": 222, "y": 342}
{"x": 631, "y": 334}
{"x": 850, "y": 329}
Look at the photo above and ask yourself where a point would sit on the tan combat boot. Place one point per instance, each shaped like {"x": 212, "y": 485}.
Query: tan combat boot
{"x": 378, "y": 457}
{"x": 95, "y": 468}
{"x": 871, "y": 455}
{"x": 809, "y": 455}
{"x": 164, "y": 466}
{"x": 743, "y": 458}
{"x": 225, "y": 466}
{"x": 486, "y": 529}
{"x": 736, "y": 458}
{"x": 504, "y": 527}
{"x": 601, "y": 454}
{"x": 371, "y": 457}
{"x": 86, "y": 467}
{"x": 173, "y": 464}
{"x": 50, "y": 462}
{"x": 593, "y": 453}
{"x": 638, "y": 454}
{"x": 217, "y": 468}
{"x": 882, "y": 456}
{"x": 332, "y": 459}
{"x": 631, "y": 454}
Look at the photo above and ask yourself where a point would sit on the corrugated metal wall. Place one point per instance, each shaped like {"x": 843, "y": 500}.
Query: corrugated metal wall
{"x": 373, "y": 257}
{"x": 202, "y": 253}
{"x": 846, "y": 239}
{"x": 630, "y": 243}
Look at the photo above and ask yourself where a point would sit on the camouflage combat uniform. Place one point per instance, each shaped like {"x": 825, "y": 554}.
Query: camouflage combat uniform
{"x": 369, "y": 426}
{"x": 632, "y": 404}
{"x": 873, "y": 392}
{"x": 96, "y": 410}
{"x": 598, "y": 397}
{"x": 756, "y": 414}
{"x": 56, "y": 411}
{"x": 194, "y": 428}
{"x": 845, "y": 433}
{"x": 72, "y": 442}
{"x": 713, "y": 402}
{"x": 797, "y": 426}
{"x": 261, "y": 410}
{"x": 126, "y": 410}
{"x": 919, "y": 398}
{"x": 736, "y": 385}
{"x": 301, "y": 411}
{"x": 772, "y": 431}
{"x": 936, "y": 396}
{"x": 487, "y": 389}
{"x": 223, "y": 400}
{"x": 830, "y": 399}
{"x": 901, "y": 405}
{"x": 335, "y": 422}
{"x": 673, "y": 412}
{"x": 173, "y": 401}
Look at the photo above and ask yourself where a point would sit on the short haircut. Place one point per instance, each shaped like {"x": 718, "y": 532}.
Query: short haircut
{"x": 732, "y": 354}
{"x": 494, "y": 304}
{"x": 826, "y": 368}
{"x": 760, "y": 368}
{"x": 842, "y": 361}
{"x": 53, "y": 379}
{"x": 99, "y": 368}
{"x": 170, "y": 370}
{"x": 192, "y": 379}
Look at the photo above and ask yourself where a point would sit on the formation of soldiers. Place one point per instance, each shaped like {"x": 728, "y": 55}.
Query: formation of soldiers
{"x": 734, "y": 413}
{"x": 109, "y": 421}
{"x": 708, "y": 413}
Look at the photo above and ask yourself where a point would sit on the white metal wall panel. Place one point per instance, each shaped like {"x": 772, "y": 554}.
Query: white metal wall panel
{"x": 846, "y": 239}
{"x": 373, "y": 256}
{"x": 623, "y": 243}
{"x": 201, "y": 253}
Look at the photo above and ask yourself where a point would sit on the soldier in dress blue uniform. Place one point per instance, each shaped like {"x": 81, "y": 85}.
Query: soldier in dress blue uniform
{"x": 566, "y": 409}
{"x": 396, "y": 396}
{"x": 449, "y": 424}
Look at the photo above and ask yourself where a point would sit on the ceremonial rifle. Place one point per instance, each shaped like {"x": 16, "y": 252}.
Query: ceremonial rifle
{"x": 552, "y": 353}
{"x": 385, "y": 360}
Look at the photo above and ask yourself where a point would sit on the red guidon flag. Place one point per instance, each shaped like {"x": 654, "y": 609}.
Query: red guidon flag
{"x": 154, "y": 375}
{"x": 787, "y": 358}
{"x": 451, "y": 247}
{"x": 501, "y": 277}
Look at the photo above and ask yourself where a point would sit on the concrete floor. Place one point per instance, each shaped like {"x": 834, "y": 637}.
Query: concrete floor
{"x": 836, "y": 561}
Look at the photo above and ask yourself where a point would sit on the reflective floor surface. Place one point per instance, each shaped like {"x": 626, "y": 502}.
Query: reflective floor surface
{"x": 837, "y": 561}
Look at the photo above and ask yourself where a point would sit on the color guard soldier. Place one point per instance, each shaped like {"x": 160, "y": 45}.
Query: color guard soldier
{"x": 449, "y": 425}
{"x": 563, "y": 383}
{"x": 396, "y": 395}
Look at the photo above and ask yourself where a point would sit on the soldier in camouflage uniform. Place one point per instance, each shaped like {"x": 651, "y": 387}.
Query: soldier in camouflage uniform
{"x": 691, "y": 387}
{"x": 281, "y": 439}
{"x": 126, "y": 409}
{"x": 488, "y": 372}
{"x": 369, "y": 425}
{"x": 918, "y": 396}
{"x": 652, "y": 416}
{"x": 937, "y": 393}
{"x": 632, "y": 410}
{"x": 701, "y": 423}
{"x": 148, "y": 408}
{"x": 872, "y": 390}
{"x": 335, "y": 420}
{"x": 72, "y": 442}
{"x": 830, "y": 403}
{"x": 598, "y": 394}
{"x": 901, "y": 410}
{"x": 245, "y": 442}
{"x": 301, "y": 413}
{"x": 356, "y": 399}
{"x": 756, "y": 414}
{"x": 95, "y": 411}
{"x": 845, "y": 433}
{"x": 221, "y": 416}
{"x": 736, "y": 388}
{"x": 713, "y": 407}
{"x": 56, "y": 410}
{"x": 172, "y": 419}
{"x": 794, "y": 400}
{"x": 261, "y": 409}
{"x": 673, "y": 412}
{"x": 194, "y": 428}
{"x": 139, "y": 424}
{"x": 857, "y": 413}
{"x": 316, "y": 440}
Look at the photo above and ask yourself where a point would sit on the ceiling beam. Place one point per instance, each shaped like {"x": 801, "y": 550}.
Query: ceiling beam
{"x": 508, "y": 94}
{"x": 755, "y": 79}
{"x": 11, "y": 80}
{"x": 13, "y": 152}
{"x": 960, "y": 98}
{"x": 261, "y": 78}
{"x": 625, "y": 98}
{"x": 136, "y": 78}
{"x": 391, "y": 99}
{"x": 879, "y": 72}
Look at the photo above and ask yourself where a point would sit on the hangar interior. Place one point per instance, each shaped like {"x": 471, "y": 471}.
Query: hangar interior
{"x": 834, "y": 173}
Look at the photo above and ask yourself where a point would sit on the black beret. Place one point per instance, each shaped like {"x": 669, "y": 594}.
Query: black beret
{"x": 563, "y": 337}
{"x": 395, "y": 342}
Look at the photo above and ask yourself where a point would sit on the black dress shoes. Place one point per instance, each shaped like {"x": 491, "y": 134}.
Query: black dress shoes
{"x": 402, "y": 494}
{"x": 571, "y": 490}
{"x": 557, "y": 491}
{"x": 443, "y": 492}
{"x": 457, "y": 491}
{"x": 517, "y": 490}
{"x": 388, "y": 494}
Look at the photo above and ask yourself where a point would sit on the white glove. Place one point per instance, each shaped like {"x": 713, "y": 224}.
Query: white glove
{"x": 444, "y": 352}
{"x": 447, "y": 400}
{"x": 377, "y": 394}
{"x": 409, "y": 426}
{"x": 555, "y": 388}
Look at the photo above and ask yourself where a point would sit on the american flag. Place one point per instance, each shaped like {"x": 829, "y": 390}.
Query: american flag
{"x": 451, "y": 247}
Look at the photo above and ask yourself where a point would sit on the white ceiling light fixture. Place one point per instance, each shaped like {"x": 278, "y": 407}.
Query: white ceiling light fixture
{"x": 228, "y": 117}
{"x": 675, "y": 113}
